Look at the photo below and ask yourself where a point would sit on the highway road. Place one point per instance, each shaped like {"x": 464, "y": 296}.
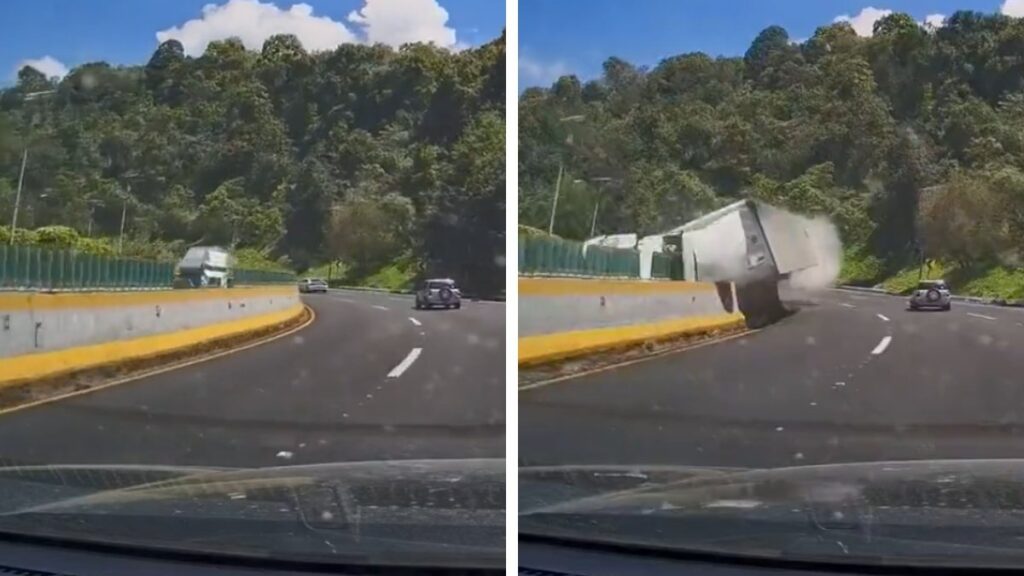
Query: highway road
{"x": 849, "y": 377}
{"x": 370, "y": 379}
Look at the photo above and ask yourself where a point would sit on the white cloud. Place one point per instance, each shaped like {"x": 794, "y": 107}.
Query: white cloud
{"x": 253, "y": 22}
{"x": 397, "y": 22}
{"x": 1013, "y": 8}
{"x": 48, "y": 65}
{"x": 935, "y": 21}
{"x": 863, "y": 23}
{"x": 536, "y": 73}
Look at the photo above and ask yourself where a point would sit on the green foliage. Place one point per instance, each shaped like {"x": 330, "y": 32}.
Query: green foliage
{"x": 860, "y": 269}
{"x": 400, "y": 275}
{"x": 369, "y": 231}
{"x": 251, "y": 149}
{"x": 910, "y": 140}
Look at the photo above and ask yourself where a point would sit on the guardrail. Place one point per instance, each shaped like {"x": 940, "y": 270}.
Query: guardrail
{"x": 35, "y": 268}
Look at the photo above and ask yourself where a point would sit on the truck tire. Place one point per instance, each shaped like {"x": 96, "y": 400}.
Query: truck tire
{"x": 760, "y": 303}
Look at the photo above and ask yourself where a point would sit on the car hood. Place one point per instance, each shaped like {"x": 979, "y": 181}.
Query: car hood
{"x": 435, "y": 512}
{"x": 947, "y": 512}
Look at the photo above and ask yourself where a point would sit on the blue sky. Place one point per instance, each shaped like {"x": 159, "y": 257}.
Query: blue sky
{"x": 73, "y": 32}
{"x": 575, "y": 36}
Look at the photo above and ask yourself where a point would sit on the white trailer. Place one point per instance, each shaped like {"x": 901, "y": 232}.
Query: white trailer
{"x": 744, "y": 242}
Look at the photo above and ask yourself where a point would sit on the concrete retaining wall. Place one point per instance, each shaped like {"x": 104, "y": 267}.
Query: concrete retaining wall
{"x": 43, "y": 334}
{"x": 563, "y": 317}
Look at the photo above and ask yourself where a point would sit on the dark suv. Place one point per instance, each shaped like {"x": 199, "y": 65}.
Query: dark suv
{"x": 438, "y": 292}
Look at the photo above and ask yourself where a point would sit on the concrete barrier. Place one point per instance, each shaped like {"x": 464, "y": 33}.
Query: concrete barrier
{"x": 565, "y": 317}
{"x": 47, "y": 334}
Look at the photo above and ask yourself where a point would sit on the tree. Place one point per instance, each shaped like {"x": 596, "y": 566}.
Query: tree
{"x": 367, "y": 233}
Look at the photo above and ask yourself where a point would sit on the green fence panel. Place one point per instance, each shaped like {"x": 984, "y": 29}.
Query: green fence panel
{"x": 555, "y": 256}
{"x": 49, "y": 269}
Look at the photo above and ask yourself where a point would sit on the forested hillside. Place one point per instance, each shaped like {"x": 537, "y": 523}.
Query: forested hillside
{"x": 912, "y": 140}
{"x": 380, "y": 158}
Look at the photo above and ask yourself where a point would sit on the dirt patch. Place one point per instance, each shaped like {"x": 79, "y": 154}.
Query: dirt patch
{"x": 15, "y": 395}
{"x": 573, "y": 366}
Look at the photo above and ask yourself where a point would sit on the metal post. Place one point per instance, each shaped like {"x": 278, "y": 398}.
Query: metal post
{"x": 124, "y": 213}
{"x": 554, "y": 203}
{"x": 17, "y": 196}
{"x": 593, "y": 221}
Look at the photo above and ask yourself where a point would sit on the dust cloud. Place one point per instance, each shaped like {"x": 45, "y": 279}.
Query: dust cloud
{"x": 828, "y": 251}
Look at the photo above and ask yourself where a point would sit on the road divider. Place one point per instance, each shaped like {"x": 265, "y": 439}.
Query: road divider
{"x": 561, "y": 318}
{"x": 46, "y": 335}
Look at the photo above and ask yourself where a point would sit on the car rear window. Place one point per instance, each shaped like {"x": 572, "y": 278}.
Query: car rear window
{"x": 439, "y": 285}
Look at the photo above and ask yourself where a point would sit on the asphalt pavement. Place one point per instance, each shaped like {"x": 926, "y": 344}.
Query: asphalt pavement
{"x": 371, "y": 379}
{"x": 849, "y": 377}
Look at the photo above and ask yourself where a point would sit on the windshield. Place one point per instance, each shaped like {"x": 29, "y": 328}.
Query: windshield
{"x": 179, "y": 184}
{"x": 763, "y": 270}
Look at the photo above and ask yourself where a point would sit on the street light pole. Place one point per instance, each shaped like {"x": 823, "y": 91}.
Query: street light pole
{"x": 124, "y": 213}
{"x": 554, "y": 203}
{"x": 561, "y": 168}
{"x": 24, "y": 161}
{"x": 17, "y": 196}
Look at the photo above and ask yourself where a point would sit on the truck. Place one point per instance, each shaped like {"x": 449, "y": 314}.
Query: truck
{"x": 205, "y": 266}
{"x": 748, "y": 243}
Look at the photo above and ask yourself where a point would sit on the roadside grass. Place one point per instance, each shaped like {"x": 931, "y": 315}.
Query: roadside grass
{"x": 992, "y": 281}
{"x": 396, "y": 276}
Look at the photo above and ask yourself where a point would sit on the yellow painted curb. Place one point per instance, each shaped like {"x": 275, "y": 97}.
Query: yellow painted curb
{"x": 47, "y": 364}
{"x": 583, "y": 286}
{"x": 162, "y": 369}
{"x": 560, "y": 345}
{"x": 67, "y": 300}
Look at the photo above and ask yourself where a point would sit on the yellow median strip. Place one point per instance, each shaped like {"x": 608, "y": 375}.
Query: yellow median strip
{"x": 47, "y": 364}
{"x": 558, "y": 346}
{"x": 593, "y": 287}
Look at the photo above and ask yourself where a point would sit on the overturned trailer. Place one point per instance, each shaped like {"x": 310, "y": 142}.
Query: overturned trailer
{"x": 749, "y": 243}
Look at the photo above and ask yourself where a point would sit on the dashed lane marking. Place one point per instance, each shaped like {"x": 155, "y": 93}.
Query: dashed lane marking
{"x": 404, "y": 364}
{"x": 882, "y": 345}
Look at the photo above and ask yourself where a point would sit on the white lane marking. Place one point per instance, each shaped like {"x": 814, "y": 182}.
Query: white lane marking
{"x": 415, "y": 321}
{"x": 981, "y": 316}
{"x": 404, "y": 364}
{"x": 883, "y": 317}
{"x": 349, "y": 300}
{"x": 847, "y": 305}
{"x": 397, "y": 299}
{"x": 882, "y": 345}
{"x": 385, "y": 308}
